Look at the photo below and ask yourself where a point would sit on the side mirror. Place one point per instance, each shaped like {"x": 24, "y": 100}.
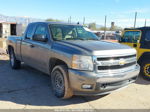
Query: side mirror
{"x": 39, "y": 37}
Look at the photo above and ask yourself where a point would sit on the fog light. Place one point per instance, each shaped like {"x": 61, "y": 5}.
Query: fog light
{"x": 86, "y": 86}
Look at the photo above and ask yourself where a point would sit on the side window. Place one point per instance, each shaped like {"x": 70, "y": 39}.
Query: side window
{"x": 30, "y": 32}
{"x": 147, "y": 35}
{"x": 41, "y": 30}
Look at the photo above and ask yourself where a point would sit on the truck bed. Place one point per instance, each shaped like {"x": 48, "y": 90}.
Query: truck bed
{"x": 15, "y": 42}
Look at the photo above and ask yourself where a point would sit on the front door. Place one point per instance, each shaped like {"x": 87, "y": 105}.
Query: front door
{"x": 27, "y": 44}
{"x": 40, "y": 51}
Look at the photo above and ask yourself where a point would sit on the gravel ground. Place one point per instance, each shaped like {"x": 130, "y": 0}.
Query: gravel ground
{"x": 30, "y": 89}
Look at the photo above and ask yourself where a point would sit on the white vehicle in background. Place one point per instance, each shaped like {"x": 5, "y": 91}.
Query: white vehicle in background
{"x": 111, "y": 36}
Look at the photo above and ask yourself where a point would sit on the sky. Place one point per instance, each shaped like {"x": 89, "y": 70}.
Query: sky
{"x": 122, "y": 12}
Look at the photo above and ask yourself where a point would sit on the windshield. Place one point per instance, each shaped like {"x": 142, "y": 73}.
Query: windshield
{"x": 131, "y": 36}
{"x": 71, "y": 32}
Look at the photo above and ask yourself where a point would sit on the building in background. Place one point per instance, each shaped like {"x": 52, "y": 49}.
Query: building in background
{"x": 15, "y": 26}
{"x": 7, "y": 29}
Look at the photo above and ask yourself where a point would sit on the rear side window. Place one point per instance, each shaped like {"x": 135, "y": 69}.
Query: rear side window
{"x": 147, "y": 36}
{"x": 30, "y": 31}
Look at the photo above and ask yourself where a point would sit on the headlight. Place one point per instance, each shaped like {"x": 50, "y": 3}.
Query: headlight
{"x": 82, "y": 62}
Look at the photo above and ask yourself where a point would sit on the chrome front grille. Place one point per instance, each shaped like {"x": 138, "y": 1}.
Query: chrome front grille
{"x": 115, "y": 64}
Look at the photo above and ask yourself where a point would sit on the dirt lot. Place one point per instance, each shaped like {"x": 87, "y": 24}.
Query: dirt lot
{"x": 30, "y": 89}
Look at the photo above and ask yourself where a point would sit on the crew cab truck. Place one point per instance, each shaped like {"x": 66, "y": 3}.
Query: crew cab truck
{"x": 77, "y": 62}
{"x": 139, "y": 38}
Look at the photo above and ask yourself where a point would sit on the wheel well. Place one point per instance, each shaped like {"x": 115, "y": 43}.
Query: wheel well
{"x": 54, "y": 62}
{"x": 9, "y": 48}
{"x": 144, "y": 57}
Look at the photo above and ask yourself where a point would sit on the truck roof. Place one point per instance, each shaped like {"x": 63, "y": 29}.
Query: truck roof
{"x": 62, "y": 23}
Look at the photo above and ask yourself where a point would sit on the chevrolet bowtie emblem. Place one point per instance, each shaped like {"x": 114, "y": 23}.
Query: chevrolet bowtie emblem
{"x": 122, "y": 62}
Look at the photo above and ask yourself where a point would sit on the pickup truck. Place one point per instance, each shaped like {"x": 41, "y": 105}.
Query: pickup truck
{"x": 76, "y": 60}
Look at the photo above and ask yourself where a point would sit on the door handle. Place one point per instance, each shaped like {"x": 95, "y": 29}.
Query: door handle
{"x": 134, "y": 45}
{"x": 31, "y": 45}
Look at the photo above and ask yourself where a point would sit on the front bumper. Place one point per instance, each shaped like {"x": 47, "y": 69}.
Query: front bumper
{"x": 100, "y": 84}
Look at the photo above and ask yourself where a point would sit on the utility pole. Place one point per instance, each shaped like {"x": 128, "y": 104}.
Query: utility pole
{"x": 6, "y": 19}
{"x": 145, "y": 23}
{"x": 105, "y": 27}
{"x": 135, "y": 19}
{"x": 70, "y": 19}
{"x": 28, "y": 21}
{"x": 83, "y": 20}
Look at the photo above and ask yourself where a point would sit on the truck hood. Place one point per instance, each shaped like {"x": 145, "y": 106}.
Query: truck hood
{"x": 101, "y": 47}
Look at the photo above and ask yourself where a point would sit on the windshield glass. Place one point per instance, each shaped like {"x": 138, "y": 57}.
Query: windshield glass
{"x": 131, "y": 36}
{"x": 71, "y": 32}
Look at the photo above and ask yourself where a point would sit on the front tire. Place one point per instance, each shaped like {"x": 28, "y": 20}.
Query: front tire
{"x": 145, "y": 69}
{"x": 14, "y": 63}
{"x": 60, "y": 83}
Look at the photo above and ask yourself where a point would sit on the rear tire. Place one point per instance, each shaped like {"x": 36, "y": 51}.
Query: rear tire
{"x": 60, "y": 83}
{"x": 145, "y": 69}
{"x": 14, "y": 63}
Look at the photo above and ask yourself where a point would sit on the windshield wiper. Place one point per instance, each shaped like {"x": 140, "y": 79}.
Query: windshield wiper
{"x": 80, "y": 39}
{"x": 91, "y": 39}
{"x": 75, "y": 39}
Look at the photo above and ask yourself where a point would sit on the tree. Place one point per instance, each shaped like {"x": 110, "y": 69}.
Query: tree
{"x": 103, "y": 28}
{"x": 92, "y": 26}
{"x": 53, "y": 20}
{"x": 115, "y": 28}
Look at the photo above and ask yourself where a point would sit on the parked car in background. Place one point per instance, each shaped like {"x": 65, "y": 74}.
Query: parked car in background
{"x": 77, "y": 62}
{"x": 110, "y": 38}
{"x": 139, "y": 38}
